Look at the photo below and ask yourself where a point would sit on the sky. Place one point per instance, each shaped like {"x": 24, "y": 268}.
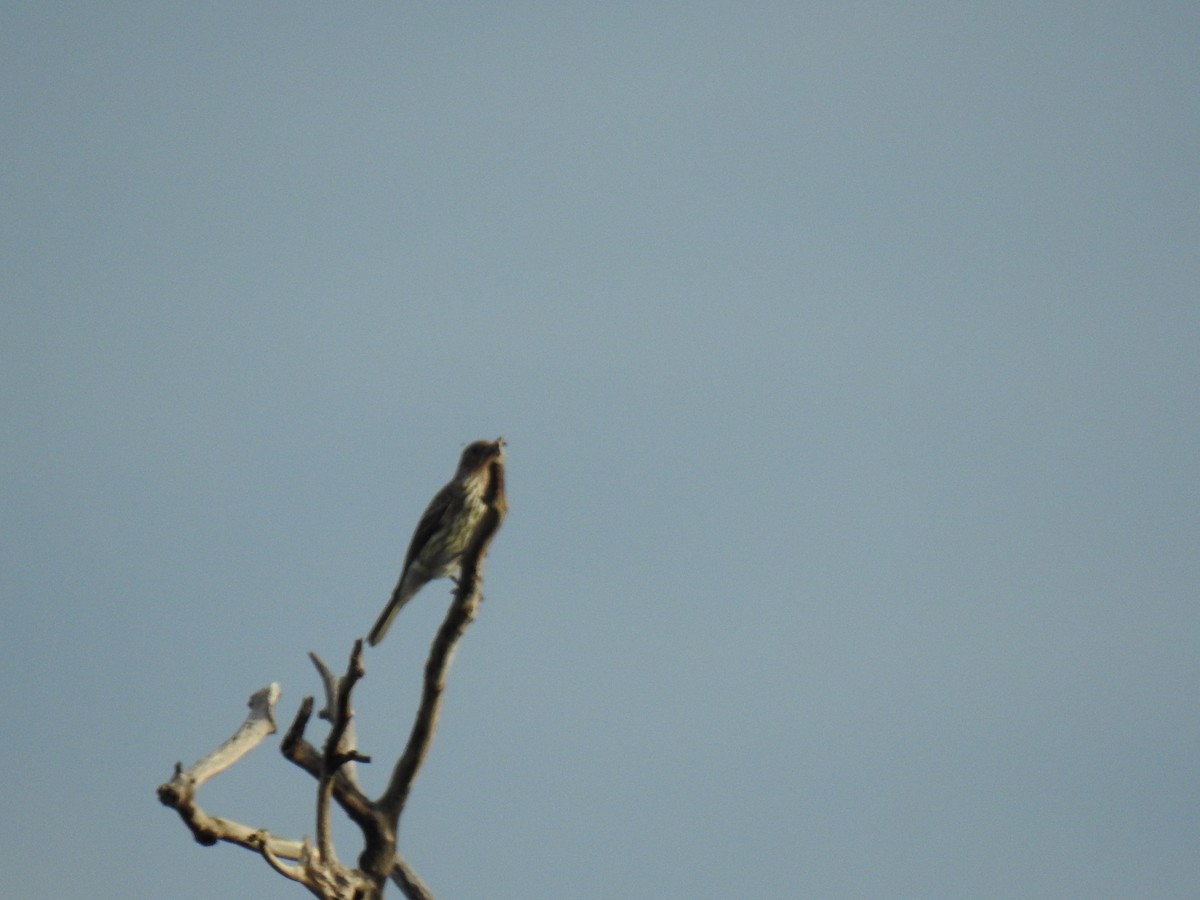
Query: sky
{"x": 847, "y": 356}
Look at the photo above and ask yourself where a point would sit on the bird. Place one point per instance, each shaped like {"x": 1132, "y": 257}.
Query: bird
{"x": 449, "y": 526}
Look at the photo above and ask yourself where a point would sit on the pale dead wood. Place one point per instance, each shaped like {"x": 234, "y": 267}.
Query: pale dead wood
{"x": 349, "y": 742}
{"x": 180, "y": 792}
{"x": 321, "y": 873}
{"x": 317, "y": 867}
{"x": 409, "y": 882}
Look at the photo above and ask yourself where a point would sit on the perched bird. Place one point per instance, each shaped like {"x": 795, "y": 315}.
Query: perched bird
{"x": 449, "y": 525}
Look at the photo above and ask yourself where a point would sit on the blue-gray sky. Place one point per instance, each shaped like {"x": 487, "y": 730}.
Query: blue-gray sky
{"x": 848, "y": 355}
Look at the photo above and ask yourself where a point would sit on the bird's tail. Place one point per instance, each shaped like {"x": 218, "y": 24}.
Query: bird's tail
{"x": 402, "y": 595}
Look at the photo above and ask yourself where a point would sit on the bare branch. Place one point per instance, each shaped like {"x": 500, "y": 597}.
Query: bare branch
{"x": 379, "y": 855}
{"x": 349, "y": 741}
{"x": 461, "y": 613}
{"x": 409, "y": 881}
{"x": 180, "y": 792}
{"x": 348, "y": 796}
{"x": 317, "y": 867}
{"x": 295, "y": 873}
{"x": 295, "y": 733}
{"x": 336, "y": 754}
{"x": 465, "y": 606}
{"x": 259, "y": 723}
{"x": 208, "y": 830}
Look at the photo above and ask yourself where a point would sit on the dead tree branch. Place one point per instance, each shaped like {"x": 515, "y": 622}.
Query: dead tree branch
{"x": 333, "y": 766}
{"x": 379, "y": 855}
{"x": 180, "y": 792}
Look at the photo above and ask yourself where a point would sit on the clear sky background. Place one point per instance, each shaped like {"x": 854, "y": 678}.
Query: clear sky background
{"x": 849, "y": 359}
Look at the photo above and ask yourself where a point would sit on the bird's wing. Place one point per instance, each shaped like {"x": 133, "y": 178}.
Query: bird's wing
{"x": 439, "y": 511}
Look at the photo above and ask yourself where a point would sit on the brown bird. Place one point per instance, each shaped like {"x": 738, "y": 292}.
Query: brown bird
{"x": 449, "y": 525}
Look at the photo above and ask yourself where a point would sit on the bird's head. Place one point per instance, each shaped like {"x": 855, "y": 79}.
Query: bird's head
{"x": 479, "y": 454}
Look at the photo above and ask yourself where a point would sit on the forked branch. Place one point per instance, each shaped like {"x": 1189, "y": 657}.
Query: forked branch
{"x": 317, "y": 867}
